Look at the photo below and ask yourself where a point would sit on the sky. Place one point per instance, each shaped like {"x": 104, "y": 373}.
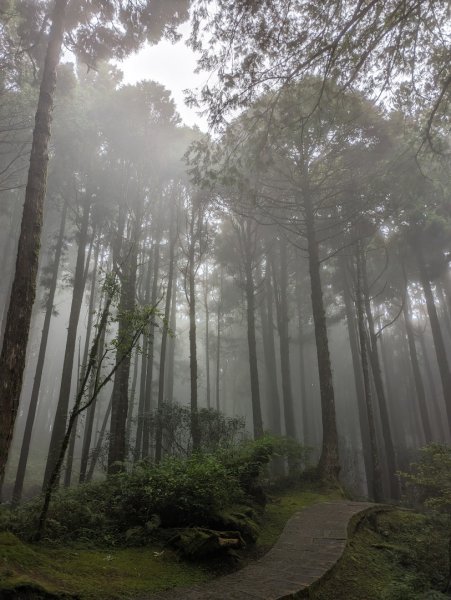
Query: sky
{"x": 173, "y": 66}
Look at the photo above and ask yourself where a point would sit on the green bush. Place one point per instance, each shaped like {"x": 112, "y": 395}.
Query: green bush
{"x": 179, "y": 492}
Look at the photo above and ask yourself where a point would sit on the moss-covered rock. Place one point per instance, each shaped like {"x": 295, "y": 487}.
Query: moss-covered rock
{"x": 196, "y": 542}
{"x": 242, "y": 519}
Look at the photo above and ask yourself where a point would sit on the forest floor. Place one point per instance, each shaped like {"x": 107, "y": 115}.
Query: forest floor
{"x": 395, "y": 555}
{"x": 82, "y": 571}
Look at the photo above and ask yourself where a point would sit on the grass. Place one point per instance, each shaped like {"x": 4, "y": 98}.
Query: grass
{"x": 87, "y": 573}
{"x": 398, "y": 555}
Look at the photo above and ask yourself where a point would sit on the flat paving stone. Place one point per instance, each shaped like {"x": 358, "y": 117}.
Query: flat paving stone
{"x": 310, "y": 545}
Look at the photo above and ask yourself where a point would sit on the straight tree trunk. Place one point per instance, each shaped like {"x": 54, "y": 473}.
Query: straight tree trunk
{"x": 442, "y": 430}
{"x": 195, "y": 431}
{"x": 329, "y": 463}
{"x": 89, "y": 424}
{"x": 23, "y": 291}
{"x": 84, "y": 362}
{"x": 218, "y": 340}
{"x": 251, "y": 338}
{"x": 59, "y": 423}
{"x": 131, "y": 407}
{"x": 98, "y": 447}
{"x": 148, "y": 405}
{"x": 171, "y": 345}
{"x": 26, "y": 440}
{"x": 143, "y": 373}
{"x": 362, "y": 400}
{"x": 379, "y": 385}
{"x": 207, "y": 339}
{"x": 164, "y": 339}
{"x": 269, "y": 352}
{"x": 437, "y": 335}
{"x": 117, "y": 450}
{"x": 301, "y": 344}
{"x": 419, "y": 385}
{"x": 281, "y": 288}
{"x": 375, "y": 490}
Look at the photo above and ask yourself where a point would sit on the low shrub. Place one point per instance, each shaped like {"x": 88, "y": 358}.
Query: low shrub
{"x": 179, "y": 492}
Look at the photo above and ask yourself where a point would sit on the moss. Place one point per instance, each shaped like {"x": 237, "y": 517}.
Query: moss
{"x": 399, "y": 555}
{"x": 90, "y": 574}
{"x": 85, "y": 572}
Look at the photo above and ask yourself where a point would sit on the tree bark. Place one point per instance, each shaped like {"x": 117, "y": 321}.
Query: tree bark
{"x": 207, "y": 339}
{"x": 164, "y": 339}
{"x": 143, "y": 373}
{"x": 301, "y": 348}
{"x": 218, "y": 340}
{"x": 362, "y": 400}
{"x": 195, "y": 431}
{"x": 150, "y": 354}
{"x": 59, "y": 423}
{"x": 281, "y": 288}
{"x": 374, "y": 475}
{"x": 117, "y": 450}
{"x": 269, "y": 353}
{"x": 329, "y": 464}
{"x": 23, "y": 291}
{"x": 26, "y": 440}
{"x": 437, "y": 336}
{"x": 247, "y": 243}
{"x": 171, "y": 345}
{"x": 84, "y": 362}
{"x": 378, "y": 383}
{"x": 419, "y": 385}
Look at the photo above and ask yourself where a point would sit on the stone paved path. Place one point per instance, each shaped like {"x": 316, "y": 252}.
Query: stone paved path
{"x": 310, "y": 545}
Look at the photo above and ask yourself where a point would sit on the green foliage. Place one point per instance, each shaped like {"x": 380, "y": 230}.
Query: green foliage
{"x": 429, "y": 480}
{"x": 395, "y": 555}
{"x": 204, "y": 489}
{"x": 216, "y": 429}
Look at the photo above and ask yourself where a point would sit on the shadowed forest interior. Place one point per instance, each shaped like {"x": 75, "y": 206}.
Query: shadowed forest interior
{"x": 171, "y": 292}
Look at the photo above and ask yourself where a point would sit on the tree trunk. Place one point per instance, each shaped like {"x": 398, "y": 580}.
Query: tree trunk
{"x": 150, "y": 355}
{"x": 171, "y": 345}
{"x": 195, "y": 431}
{"x": 281, "y": 288}
{"x": 84, "y": 362}
{"x": 207, "y": 339}
{"x": 362, "y": 400}
{"x": 131, "y": 406}
{"x": 419, "y": 385}
{"x": 89, "y": 424}
{"x": 437, "y": 336}
{"x": 378, "y": 383}
{"x": 442, "y": 430}
{"x": 164, "y": 338}
{"x": 143, "y": 374}
{"x": 117, "y": 450}
{"x": 218, "y": 340}
{"x": 329, "y": 464}
{"x": 269, "y": 352}
{"x": 12, "y": 357}
{"x": 251, "y": 339}
{"x": 374, "y": 475}
{"x": 26, "y": 440}
{"x": 59, "y": 424}
{"x": 98, "y": 448}
{"x": 302, "y": 379}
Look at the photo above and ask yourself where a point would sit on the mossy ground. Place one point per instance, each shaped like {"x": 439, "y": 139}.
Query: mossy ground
{"x": 396, "y": 555}
{"x": 90, "y": 573}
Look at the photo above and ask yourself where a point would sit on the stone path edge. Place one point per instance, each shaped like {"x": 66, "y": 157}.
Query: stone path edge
{"x": 306, "y": 553}
{"x": 353, "y": 525}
